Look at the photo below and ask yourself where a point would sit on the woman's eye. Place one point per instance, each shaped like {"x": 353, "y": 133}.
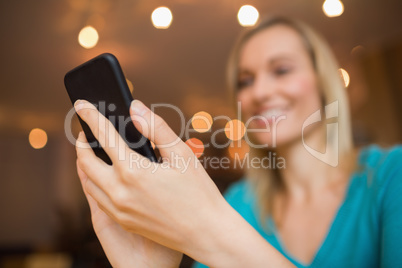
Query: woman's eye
{"x": 245, "y": 82}
{"x": 282, "y": 71}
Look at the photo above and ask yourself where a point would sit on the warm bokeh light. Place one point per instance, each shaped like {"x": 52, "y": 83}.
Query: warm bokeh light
{"x": 196, "y": 145}
{"x": 88, "y": 37}
{"x": 161, "y": 18}
{"x": 37, "y": 138}
{"x": 238, "y": 149}
{"x": 235, "y": 130}
{"x": 201, "y": 122}
{"x": 247, "y": 16}
{"x": 345, "y": 76}
{"x": 332, "y": 8}
{"x": 130, "y": 86}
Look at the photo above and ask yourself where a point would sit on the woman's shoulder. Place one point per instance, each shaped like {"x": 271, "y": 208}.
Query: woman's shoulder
{"x": 374, "y": 155}
{"x": 380, "y": 162}
{"x": 380, "y": 171}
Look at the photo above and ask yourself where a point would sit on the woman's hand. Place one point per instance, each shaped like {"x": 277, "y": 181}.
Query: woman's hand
{"x": 125, "y": 249}
{"x": 174, "y": 203}
{"x": 165, "y": 202}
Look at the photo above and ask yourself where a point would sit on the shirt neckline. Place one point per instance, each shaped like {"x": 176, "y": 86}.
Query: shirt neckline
{"x": 328, "y": 239}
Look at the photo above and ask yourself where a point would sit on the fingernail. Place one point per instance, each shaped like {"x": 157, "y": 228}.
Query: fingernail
{"x": 78, "y": 105}
{"x": 138, "y": 107}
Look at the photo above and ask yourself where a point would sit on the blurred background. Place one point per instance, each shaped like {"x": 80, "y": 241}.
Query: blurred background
{"x": 44, "y": 218}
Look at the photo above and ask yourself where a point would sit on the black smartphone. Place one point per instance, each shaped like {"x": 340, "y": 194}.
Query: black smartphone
{"x": 101, "y": 81}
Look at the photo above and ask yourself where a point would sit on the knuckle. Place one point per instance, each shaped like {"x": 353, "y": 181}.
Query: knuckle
{"x": 121, "y": 217}
{"x": 126, "y": 222}
{"x": 126, "y": 174}
{"x": 120, "y": 198}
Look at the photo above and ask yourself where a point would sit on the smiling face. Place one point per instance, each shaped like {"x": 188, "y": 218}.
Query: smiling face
{"x": 277, "y": 85}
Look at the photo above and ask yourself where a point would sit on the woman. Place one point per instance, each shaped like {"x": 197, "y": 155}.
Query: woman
{"x": 330, "y": 206}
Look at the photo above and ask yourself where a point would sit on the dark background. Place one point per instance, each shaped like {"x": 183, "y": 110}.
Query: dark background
{"x": 43, "y": 214}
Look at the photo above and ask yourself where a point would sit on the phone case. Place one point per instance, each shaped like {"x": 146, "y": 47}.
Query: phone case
{"x": 101, "y": 81}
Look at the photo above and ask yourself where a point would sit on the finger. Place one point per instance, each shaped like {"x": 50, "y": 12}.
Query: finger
{"x": 83, "y": 179}
{"x": 95, "y": 195}
{"x": 92, "y": 166}
{"x": 157, "y": 130}
{"x": 98, "y": 199}
{"x": 103, "y": 130}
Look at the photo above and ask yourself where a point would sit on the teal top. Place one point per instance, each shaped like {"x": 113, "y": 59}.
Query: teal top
{"x": 367, "y": 229}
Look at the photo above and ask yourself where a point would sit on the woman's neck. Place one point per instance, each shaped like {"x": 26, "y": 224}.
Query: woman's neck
{"x": 305, "y": 175}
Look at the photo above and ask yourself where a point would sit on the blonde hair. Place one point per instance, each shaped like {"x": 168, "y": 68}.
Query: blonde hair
{"x": 267, "y": 181}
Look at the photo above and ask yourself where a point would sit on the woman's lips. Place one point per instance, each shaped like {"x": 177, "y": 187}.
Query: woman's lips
{"x": 267, "y": 117}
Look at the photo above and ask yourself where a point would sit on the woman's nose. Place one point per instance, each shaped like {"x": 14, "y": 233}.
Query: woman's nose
{"x": 262, "y": 88}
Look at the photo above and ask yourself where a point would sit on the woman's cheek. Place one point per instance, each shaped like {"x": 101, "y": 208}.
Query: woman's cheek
{"x": 300, "y": 86}
{"x": 304, "y": 98}
{"x": 305, "y": 94}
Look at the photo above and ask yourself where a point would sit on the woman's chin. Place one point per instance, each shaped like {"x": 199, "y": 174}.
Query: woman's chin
{"x": 269, "y": 141}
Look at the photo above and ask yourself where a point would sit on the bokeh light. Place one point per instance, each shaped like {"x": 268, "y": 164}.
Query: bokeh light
{"x": 345, "y": 77}
{"x": 196, "y": 145}
{"x": 201, "y": 122}
{"x": 332, "y": 8}
{"x": 161, "y": 18}
{"x": 88, "y": 37}
{"x": 37, "y": 138}
{"x": 247, "y": 16}
{"x": 238, "y": 149}
{"x": 235, "y": 130}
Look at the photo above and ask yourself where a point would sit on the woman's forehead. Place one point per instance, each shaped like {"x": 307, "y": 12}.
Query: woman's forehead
{"x": 275, "y": 42}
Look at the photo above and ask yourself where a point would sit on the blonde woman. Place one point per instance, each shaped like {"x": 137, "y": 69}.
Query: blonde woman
{"x": 330, "y": 206}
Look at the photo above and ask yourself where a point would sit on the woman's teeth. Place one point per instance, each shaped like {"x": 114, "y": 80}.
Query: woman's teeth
{"x": 273, "y": 112}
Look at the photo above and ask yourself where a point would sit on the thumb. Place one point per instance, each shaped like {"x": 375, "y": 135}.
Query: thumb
{"x": 153, "y": 127}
